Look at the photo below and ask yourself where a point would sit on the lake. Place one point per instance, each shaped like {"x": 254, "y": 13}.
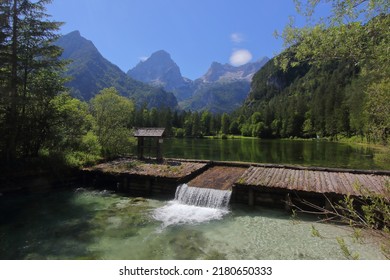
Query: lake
{"x": 299, "y": 152}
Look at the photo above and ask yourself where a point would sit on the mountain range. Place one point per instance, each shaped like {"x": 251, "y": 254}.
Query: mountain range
{"x": 222, "y": 88}
{"x": 90, "y": 72}
{"x": 157, "y": 81}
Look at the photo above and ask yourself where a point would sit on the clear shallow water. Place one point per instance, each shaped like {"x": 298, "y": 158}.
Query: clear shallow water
{"x": 301, "y": 152}
{"x": 87, "y": 224}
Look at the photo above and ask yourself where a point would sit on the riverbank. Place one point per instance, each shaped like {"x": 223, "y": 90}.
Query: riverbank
{"x": 37, "y": 174}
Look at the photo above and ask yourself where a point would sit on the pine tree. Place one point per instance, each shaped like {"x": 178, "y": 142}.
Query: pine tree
{"x": 30, "y": 67}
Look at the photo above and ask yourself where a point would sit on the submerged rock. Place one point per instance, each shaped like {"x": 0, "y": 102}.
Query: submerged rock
{"x": 138, "y": 199}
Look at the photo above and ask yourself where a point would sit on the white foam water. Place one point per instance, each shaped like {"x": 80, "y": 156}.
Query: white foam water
{"x": 193, "y": 206}
{"x": 202, "y": 197}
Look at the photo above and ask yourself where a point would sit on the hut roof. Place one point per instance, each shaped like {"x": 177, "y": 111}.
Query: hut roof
{"x": 149, "y": 132}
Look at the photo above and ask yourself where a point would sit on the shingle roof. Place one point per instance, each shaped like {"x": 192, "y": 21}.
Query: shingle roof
{"x": 149, "y": 132}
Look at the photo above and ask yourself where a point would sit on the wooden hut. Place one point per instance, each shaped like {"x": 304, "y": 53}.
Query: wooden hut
{"x": 155, "y": 136}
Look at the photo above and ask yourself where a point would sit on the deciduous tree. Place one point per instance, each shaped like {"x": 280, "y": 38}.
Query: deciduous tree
{"x": 113, "y": 116}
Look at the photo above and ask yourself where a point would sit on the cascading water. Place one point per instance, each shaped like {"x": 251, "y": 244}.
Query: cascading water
{"x": 194, "y": 205}
{"x": 202, "y": 197}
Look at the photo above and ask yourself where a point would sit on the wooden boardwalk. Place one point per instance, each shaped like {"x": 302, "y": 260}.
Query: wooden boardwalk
{"x": 218, "y": 177}
{"x": 322, "y": 182}
{"x": 245, "y": 177}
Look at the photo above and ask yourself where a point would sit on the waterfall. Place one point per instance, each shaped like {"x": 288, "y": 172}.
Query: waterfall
{"x": 202, "y": 197}
{"x": 193, "y": 206}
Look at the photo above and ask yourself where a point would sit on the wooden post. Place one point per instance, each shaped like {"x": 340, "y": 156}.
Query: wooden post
{"x": 140, "y": 147}
{"x": 159, "y": 149}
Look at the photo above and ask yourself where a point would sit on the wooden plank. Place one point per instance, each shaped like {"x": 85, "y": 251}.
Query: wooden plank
{"x": 342, "y": 184}
{"x": 218, "y": 177}
{"x": 319, "y": 180}
{"x": 311, "y": 180}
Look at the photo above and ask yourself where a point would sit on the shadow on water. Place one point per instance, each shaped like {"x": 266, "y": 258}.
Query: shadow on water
{"x": 44, "y": 226}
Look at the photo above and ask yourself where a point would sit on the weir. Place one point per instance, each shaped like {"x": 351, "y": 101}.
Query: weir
{"x": 203, "y": 197}
{"x": 250, "y": 183}
{"x": 194, "y": 205}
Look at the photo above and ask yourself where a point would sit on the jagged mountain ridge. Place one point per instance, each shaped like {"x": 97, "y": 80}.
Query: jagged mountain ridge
{"x": 225, "y": 72}
{"x": 90, "y": 72}
{"x": 222, "y": 89}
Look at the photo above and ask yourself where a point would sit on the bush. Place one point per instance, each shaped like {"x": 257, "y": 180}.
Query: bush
{"x": 179, "y": 133}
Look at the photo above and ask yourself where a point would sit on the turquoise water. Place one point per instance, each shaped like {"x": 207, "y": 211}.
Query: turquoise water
{"x": 90, "y": 224}
{"x": 308, "y": 153}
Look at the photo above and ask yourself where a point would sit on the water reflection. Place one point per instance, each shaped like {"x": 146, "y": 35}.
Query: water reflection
{"x": 308, "y": 153}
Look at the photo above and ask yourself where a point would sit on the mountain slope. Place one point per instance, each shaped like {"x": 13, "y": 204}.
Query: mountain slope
{"x": 304, "y": 101}
{"x": 222, "y": 89}
{"x": 91, "y": 72}
{"x": 217, "y": 97}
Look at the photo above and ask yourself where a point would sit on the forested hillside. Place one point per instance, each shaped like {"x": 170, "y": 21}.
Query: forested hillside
{"x": 304, "y": 101}
{"x": 343, "y": 96}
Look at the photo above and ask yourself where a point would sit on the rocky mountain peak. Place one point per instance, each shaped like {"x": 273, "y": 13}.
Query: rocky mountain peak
{"x": 160, "y": 70}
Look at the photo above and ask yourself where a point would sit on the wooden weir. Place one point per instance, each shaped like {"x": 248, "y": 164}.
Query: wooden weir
{"x": 307, "y": 180}
{"x": 218, "y": 177}
{"x": 251, "y": 183}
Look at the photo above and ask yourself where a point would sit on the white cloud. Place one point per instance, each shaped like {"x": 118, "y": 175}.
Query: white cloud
{"x": 143, "y": 58}
{"x": 240, "y": 57}
{"x": 237, "y": 38}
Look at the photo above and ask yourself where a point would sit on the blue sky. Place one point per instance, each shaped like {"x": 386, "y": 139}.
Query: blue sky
{"x": 194, "y": 32}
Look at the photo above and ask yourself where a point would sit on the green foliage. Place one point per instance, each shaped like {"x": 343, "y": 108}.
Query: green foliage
{"x": 369, "y": 212}
{"x": 340, "y": 36}
{"x": 72, "y": 121}
{"x": 315, "y": 232}
{"x": 332, "y": 98}
{"x": 72, "y": 132}
{"x": 344, "y": 248}
{"x": 377, "y": 109}
{"x": 179, "y": 132}
{"x": 30, "y": 77}
{"x": 113, "y": 115}
{"x": 348, "y": 52}
{"x": 90, "y": 144}
{"x": 225, "y": 123}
